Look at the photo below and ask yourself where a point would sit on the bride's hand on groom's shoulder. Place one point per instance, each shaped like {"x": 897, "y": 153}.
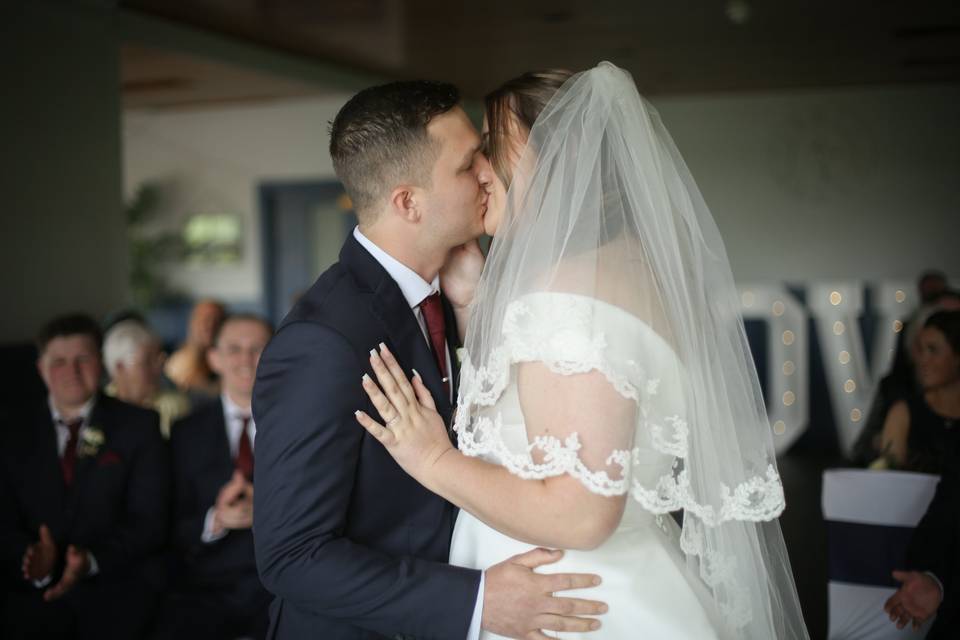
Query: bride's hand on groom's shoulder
{"x": 461, "y": 273}
{"x": 521, "y": 603}
{"x": 411, "y": 430}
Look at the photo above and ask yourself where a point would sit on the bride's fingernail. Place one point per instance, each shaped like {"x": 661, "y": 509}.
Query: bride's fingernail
{"x": 603, "y": 608}
{"x": 383, "y": 347}
{"x": 595, "y": 625}
{"x": 415, "y": 373}
{"x": 366, "y": 378}
{"x": 596, "y": 580}
{"x": 373, "y": 352}
{"x": 357, "y": 413}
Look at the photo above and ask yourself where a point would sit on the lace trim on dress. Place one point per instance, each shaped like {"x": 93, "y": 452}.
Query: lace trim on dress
{"x": 565, "y": 346}
{"x": 562, "y": 340}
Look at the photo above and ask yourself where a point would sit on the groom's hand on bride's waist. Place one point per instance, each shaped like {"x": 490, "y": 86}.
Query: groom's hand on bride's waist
{"x": 519, "y": 603}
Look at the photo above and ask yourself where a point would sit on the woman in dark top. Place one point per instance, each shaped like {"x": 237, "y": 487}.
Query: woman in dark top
{"x": 920, "y": 429}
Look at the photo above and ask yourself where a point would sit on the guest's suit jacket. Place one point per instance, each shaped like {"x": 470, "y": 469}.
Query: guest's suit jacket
{"x": 202, "y": 464}
{"x": 935, "y": 547}
{"x": 351, "y": 546}
{"x": 118, "y": 503}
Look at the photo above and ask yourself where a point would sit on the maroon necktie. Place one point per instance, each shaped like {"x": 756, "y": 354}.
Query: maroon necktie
{"x": 68, "y": 461}
{"x": 432, "y": 310}
{"x": 244, "y": 461}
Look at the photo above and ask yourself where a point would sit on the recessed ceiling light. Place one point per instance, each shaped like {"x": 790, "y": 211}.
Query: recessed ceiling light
{"x": 738, "y": 11}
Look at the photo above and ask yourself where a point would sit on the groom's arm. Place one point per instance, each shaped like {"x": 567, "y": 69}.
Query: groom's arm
{"x": 307, "y": 449}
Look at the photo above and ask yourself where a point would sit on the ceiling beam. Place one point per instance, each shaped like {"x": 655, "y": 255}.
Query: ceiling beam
{"x": 139, "y": 28}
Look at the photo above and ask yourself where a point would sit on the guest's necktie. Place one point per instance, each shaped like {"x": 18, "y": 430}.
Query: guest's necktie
{"x": 244, "y": 461}
{"x": 432, "y": 310}
{"x": 68, "y": 461}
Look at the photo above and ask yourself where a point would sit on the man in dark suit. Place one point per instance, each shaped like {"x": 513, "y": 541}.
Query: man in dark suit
{"x": 930, "y": 586}
{"x": 218, "y": 593}
{"x": 84, "y": 488}
{"x": 350, "y": 545}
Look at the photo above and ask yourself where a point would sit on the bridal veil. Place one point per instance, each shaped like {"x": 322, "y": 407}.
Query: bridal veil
{"x": 602, "y": 208}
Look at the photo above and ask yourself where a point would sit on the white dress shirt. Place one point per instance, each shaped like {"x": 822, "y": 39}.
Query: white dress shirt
{"x": 233, "y": 416}
{"x": 415, "y": 289}
{"x": 63, "y": 436}
{"x": 63, "y": 433}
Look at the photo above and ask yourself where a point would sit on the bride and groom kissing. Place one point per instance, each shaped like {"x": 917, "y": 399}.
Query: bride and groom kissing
{"x": 522, "y": 485}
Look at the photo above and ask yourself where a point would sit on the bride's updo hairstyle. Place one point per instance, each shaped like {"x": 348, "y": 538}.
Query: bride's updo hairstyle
{"x": 523, "y": 98}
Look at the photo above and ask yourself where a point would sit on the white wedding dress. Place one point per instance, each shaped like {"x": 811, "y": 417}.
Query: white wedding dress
{"x": 651, "y": 590}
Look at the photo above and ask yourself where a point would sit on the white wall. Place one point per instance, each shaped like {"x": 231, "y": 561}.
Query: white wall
{"x": 828, "y": 184}
{"x": 216, "y": 159}
{"x": 62, "y": 241}
{"x": 846, "y": 183}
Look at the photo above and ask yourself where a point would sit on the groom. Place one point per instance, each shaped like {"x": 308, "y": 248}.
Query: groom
{"x": 349, "y": 544}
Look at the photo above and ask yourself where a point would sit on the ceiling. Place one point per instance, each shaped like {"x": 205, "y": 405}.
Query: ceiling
{"x": 682, "y": 46}
{"x": 158, "y": 79}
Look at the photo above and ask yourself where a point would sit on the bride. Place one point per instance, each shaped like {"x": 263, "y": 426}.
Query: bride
{"x": 606, "y": 384}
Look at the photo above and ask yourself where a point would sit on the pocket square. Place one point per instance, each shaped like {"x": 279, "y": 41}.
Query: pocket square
{"x": 108, "y": 458}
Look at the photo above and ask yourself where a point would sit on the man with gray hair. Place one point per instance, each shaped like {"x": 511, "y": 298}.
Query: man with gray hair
{"x": 134, "y": 358}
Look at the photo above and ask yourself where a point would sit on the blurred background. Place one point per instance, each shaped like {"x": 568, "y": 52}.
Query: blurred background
{"x": 160, "y": 152}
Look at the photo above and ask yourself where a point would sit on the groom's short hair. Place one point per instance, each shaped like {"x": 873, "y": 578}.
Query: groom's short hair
{"x": 379, "y": 139}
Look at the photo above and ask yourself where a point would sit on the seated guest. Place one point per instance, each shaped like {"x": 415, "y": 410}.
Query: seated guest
{"x": 218, "y": 593}
{"x": 902, "y": 372}
{"x": 188, "y": 367}
{"x": 134, "y": 359}
{"x": 901, "y": 379}
{"x": 930, "y": 586}
{"x": 84, "y": 484}
{"x": 917, "y": 428}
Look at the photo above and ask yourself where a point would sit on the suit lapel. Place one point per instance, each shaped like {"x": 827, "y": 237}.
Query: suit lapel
{"x": 219, "y": 443}
{"x": 48, "y": 489}
{"x": 85, "y": 464}
{"x": 388, "y": 305}
{"x": 453, "y": 343}
{"x": 406, "y": 340}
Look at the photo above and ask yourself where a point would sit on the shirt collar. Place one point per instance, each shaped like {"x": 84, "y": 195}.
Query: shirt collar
{"x": 84, "y": 413}
{"x": 414, "y": 288}
{"x": 232, "y": 410}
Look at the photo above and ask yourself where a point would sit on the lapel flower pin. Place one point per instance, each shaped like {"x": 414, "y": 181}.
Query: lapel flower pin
{"x": 91, "y": 439}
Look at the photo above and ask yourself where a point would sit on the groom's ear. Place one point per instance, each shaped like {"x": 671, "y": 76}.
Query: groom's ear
{"x": 404, "y": 202}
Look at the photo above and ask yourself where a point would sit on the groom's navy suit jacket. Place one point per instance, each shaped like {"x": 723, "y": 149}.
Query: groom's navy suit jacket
{"x": 349, "y": 544}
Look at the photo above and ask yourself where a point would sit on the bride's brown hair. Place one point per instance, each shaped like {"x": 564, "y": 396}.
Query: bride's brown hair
{"x": 525, "y": 97}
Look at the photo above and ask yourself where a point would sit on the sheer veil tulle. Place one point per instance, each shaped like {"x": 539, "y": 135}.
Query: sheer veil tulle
{"x": 603, "y": 210}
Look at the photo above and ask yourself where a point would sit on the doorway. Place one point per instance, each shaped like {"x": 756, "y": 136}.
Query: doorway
{"x": 304, "y": 225}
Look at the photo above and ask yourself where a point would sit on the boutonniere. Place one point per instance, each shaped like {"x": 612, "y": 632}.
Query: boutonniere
{"x": 461, "y": 355}
{"x": 91, "y": 439}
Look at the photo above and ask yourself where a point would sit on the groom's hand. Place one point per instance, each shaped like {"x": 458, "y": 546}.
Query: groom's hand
{"x": 519, "y": 603}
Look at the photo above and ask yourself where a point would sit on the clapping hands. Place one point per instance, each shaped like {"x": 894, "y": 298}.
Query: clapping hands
{"x": 40, "y": 559}
{"x": 234, "y": 506}
{"x": 77, "y": 566}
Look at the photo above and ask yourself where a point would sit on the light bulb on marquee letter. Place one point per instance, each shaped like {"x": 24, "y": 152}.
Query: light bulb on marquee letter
{"x": 788, "y": 398}
{"x": 836, "y": 308}
{"x": 892, "y": 302}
